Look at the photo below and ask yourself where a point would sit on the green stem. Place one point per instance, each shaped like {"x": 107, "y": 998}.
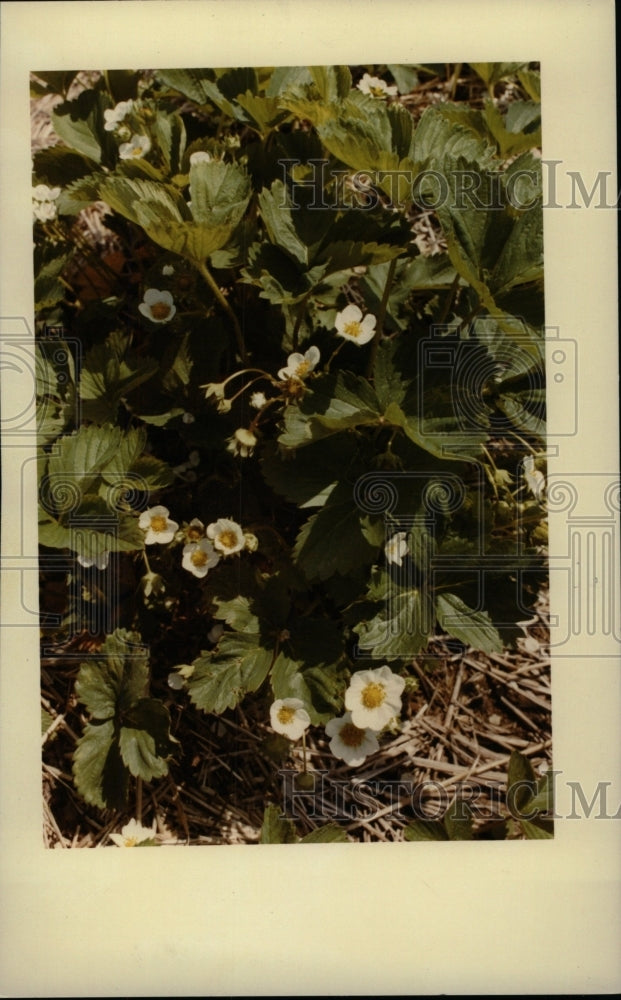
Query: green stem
{"x": 213, "y": 285}
{"x": 381, "y": 316}
{"x": 139, "y": 799}
{"x": 333, "y": 355}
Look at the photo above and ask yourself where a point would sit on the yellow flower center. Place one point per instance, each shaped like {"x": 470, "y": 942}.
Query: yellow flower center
{"x": 228, "y": 539}
{"x": 130, "y": 841}
{"x": 158, "y": 523}
{"x": 373, "y": 695}
{"x": 353, "y": 329}
{"x": 351, "y": 735}
{"x": 377, "y": 91}
{"x": 302, "y": 369}
{"x": 160, "y": 310}
{"x": 198, "y": 558}
{"x": 286, "y": 715}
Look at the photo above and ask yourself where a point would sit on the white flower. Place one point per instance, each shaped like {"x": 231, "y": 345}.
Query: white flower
{"x": 113, "y": 116}
{"x": 397, "y": 548}
{"x": 100, "y": 561}
{"x": 158, "y": 526}
{"x": 375, "y": 87}
{"x": 374, "y": 697}
{"x": 226, "y": 535}
{"x": 137, "y": 146}
{"x": 242, "y": 443}
{"x": 199, "y": 157}
{"x": 157, "y": 306}
{"x": 349, "y": 743}
{"x": 132, "y": 834}
{"x": 350, "y": 325}
{"x": 258, "y": 399}
{"x": 41, "y": 192}
{"x": 167, "y": 270}
{"x": 300, "y": 365}
{"x": 199, "y": 557}
{"x": 534, "y": 479}
{"x": 44, "y": 211}
{"x": 44, "y": 202}
{"x": 289, "y": 717}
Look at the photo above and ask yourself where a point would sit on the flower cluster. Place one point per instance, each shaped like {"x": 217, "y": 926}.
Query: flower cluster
{"x": 204, "y": 546}
{"x": 372, "y": 699}
{"x": 44, "y": 202}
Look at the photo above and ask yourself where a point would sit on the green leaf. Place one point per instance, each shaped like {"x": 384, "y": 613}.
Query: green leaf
{"x": 448, "y": 133}
{"x": 79, "y": 457}
{"x": 117, "y": 678}
{"x": 338, "y": 401}
{"x": 98, "y": 771}
{"x": 531, "y": 81}
{"x": 405, "y": 77}
{"x": 238, "y": 615}
{"x": 308, "y": 478}
{"x": 219, "y": 193}
{"x": 48, "y": 289}
{"x": 189, "y": 82}
{"x": 144, "y": 739}
{"x": 440, "y": 436}
{"x": 332, "y": 541}
{"x": 543, "y": 800}
{"x": 277, "y": 215}
{"x": 521, "y": 784}
{"x": 328, "y": 834}
{"x": 458, "y": 820}
{"x": 401, "y": 629}
{"x": 276, "y": 830}
{"x": 263, "y": 113}
{"x": 493, "y": 72}
{"x": 80, "y": 124}
{"x": 220, "y": 679}
{"x": 388, "y": 381}
{"x": 422, "y": 829}
{"x": 332, "y": 82}
{"x": 107, "y": 377}
{"x": 541, "y": 830}
{"x": 471, "y": 627}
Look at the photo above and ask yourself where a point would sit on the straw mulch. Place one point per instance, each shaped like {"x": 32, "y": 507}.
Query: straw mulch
{"x": 464, "y": 712}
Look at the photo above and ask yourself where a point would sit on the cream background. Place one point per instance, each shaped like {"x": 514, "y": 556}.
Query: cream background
{"x": 375, "y": 919}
